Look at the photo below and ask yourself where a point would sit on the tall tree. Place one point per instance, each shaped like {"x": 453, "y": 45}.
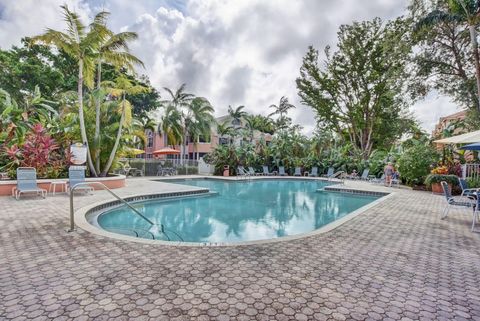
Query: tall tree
{"x": 281, "y": 111}
{"x": 170, "y": 125}
{"x": 112, "y": 50}
{"x": 199, "y": 120}
{"x": 361, "y": 84}
{"x": 121, "y": 88}
{"x": 237, "y": 114}
{"x": 443, "y": 32}
{"x": 180, "y": 101}
{"x": 81, "y": 43}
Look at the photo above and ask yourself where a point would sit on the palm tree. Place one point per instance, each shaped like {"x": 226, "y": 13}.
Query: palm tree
{"x": 122, "y": 87}
{"x": 250, "y": 126}
{"x": 113, "y": 50}
{"x": 170, "y": 125}
{"x": 180, "y": 100}
{"x": 462, "y": 12}
{"x": 81, "y": 46}
{"x": 199, "y": 119}
{"x": 281, "y": 110}
{"x": 236, "y": 114}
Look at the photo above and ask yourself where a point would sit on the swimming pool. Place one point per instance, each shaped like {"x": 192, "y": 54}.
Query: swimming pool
{"x": 241, "y": 211}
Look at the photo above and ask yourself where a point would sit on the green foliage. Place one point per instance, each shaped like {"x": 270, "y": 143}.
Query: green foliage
{"x": 437, "y": 178}
{"x": 359, "y": 90}
{"x": 40, "y": 151}
{"x": 415, "y": 163}
{"x": 473, "y": 182}
{"x": 445, "y": 38}
{"x": 29, "y": 66}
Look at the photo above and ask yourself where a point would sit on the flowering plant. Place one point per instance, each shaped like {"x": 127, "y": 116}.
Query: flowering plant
{"x": 440, "y": 170}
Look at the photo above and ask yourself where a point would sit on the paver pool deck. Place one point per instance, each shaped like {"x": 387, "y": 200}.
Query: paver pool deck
{"x": 397, "y": 260}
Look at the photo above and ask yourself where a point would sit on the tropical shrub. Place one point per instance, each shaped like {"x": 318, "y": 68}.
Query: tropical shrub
{"x": 473, "y": 182}
{"x": 415, "y": 163}
{"x": 438, "y": 178}
{"x": 40, "y": 151}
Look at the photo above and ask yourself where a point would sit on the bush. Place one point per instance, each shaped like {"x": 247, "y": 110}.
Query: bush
{"x": 473, "y": 182}
{"x": 41, "y": 152}
{"x": 437, "y": 178}
{"x": 415, "y": 163}
{"x": 187, "y": 170}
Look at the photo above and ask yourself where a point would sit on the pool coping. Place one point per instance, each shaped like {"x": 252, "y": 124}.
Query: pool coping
{"x": 82, "y": 222}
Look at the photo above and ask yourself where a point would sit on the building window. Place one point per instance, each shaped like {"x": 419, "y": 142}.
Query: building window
{"x": 150, "y": 140}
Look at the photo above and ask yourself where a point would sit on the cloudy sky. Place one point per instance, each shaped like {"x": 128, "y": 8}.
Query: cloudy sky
{"x": 244, "y": 52}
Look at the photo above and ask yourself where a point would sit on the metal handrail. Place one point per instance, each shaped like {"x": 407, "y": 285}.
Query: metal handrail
{"x": 72, "y": 211}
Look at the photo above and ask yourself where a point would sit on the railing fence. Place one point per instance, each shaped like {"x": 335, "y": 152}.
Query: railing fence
{"x": 471, "y": 171}
{"x": 157, "y": 167}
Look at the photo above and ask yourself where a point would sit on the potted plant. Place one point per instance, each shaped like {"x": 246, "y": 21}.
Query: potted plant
{"x": 433, "y": 181}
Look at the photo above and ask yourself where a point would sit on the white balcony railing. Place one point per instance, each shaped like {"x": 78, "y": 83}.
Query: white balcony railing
{"x": 471, "y": 171}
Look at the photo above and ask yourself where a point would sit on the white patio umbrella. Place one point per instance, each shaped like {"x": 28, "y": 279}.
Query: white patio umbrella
{"x": 468, "y": 138}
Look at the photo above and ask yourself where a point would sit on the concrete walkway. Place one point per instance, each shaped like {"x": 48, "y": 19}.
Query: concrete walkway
{"x": 395, "y": 261}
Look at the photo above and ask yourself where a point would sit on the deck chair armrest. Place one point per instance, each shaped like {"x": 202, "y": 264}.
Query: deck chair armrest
{"x": 468, "y": 191}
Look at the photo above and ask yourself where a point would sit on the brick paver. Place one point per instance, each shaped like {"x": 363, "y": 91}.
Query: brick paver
{"x": 396, "y": 261}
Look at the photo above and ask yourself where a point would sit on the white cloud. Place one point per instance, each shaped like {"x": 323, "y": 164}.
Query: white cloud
{"x": 232, "y": 52}
{"x": 20, "y": 18}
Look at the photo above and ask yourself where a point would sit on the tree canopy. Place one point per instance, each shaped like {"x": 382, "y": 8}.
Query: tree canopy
{"x": 360, "y": 90}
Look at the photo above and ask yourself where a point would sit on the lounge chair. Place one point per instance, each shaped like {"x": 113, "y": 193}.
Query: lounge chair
{"x": 298, "y": 171}
{"x": 364, "y": 176}
{"x": 336, "y": 175}
{"x": 252, "y": 172}
{"x": 465, "y": 190}
{"x": 27, "y": 183}
{"x": 266, "y": 172}
{"x": 241, "y": 171}
{"x": 313, "y": 172}
{"x": 281, "y": 171}
{"x": 378, "y": 180}
{"x": 76, "y": 175}
{"x": 460, "y": 201}
{"x": 330, "y": 172}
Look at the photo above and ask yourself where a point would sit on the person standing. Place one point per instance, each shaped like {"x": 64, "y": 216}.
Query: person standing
{"x": 388, "y": 171}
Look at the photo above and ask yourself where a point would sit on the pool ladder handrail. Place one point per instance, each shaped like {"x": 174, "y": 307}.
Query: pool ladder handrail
{"x": 72, "y": 210}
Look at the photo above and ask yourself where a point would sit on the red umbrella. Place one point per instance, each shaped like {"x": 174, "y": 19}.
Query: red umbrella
{"x": 166, "y": 151}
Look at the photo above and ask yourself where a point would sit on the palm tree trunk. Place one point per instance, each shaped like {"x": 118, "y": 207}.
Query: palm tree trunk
{"x": 96, "y": 138}
{"x": 476, "y": 58}
{"x": 83, "y": 131}
{"x": 117, "y": 140}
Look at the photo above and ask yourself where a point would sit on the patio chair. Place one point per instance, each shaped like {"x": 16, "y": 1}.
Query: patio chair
{"x": 377, "y": 180}
{"x": 241, "y": 171}
{"x": 337, "y": 175}
{"x": 476, "y": 212}
{"x": 465, "y": 190}
{"x": 281, "y": 171}
{"x": 76, "y": 175}
{"x": 298, "y": 171}
{"x": 313, "y": 172}
{"x": 27, "y": 183}
{"x": 266, "y": 172}
{"x": 330, "y": 172}
{"x": 364, "y": 176}
{"x": 460, "y": 201}
{"x": 252, "y": 172}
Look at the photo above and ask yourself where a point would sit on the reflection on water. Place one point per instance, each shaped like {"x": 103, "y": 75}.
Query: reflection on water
{"x": 242, "y": 211}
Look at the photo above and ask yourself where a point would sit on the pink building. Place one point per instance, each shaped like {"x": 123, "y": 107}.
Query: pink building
{"x": 155, "y": 141}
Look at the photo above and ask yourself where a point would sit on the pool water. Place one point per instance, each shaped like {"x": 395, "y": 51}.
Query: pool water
{"x": 241, "y": 211}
